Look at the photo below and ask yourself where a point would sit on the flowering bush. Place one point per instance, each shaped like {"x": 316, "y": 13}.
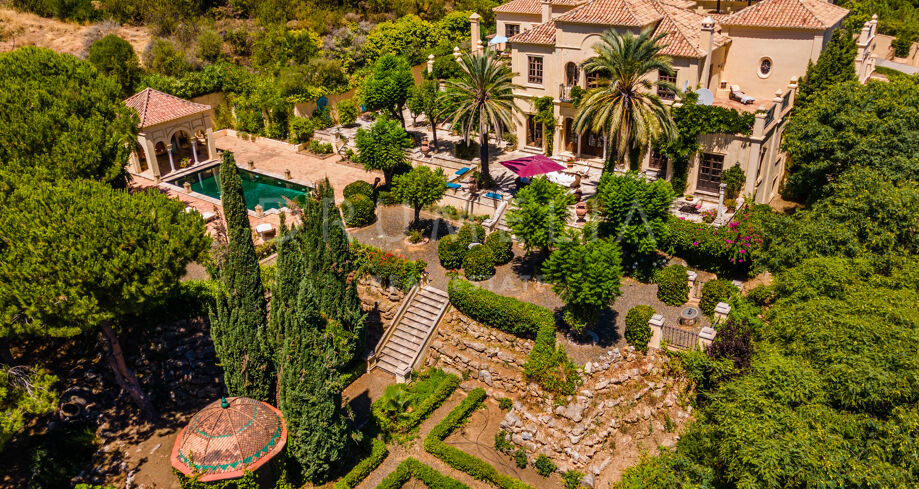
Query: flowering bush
{"x": 728, "y": 250}
{"x": 709, "y": 216}
{"x": 389, "y": 269}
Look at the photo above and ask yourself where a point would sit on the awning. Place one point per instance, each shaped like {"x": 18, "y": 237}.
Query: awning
{"x": 531, "y": 166}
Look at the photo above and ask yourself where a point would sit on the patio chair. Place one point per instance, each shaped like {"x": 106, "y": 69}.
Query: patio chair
{"x": 738, "y": 95}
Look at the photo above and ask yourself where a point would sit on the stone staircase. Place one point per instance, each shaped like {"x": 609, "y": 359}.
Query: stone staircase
{"x": 406, "y": 339}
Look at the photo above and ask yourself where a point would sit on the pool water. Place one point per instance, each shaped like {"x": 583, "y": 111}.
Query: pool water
{"x": 270, "y": 192}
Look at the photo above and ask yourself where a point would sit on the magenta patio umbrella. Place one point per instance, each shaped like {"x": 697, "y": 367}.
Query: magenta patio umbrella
{"x": 531, "y": 166}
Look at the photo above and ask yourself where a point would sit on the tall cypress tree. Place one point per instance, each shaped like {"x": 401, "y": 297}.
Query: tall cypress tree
{"x": 835, "y": 65}
{"x": 238, "y": 325}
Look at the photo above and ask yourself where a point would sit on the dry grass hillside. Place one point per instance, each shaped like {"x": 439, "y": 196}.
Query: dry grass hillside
{"x": 19, "y": 29}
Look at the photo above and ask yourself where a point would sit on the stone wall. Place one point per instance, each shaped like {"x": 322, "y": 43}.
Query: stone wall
{"x": 630, "y": 403}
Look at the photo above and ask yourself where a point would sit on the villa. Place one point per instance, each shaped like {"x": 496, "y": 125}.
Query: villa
{"x": 748, "y": 60}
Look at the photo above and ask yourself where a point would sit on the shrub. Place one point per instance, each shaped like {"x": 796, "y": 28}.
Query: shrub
{"x": 501, "y": 443}
{"x": 389, "y": 269}
{"x": 496, "y": 311}
{"x": 415, "y": 236}
{"x": 762, "y": 295}
{"x": 479, "y": 263}
{"x": 459, "y": 460}
{"x": 320, "y": 148}
{"x": 347, "y": 112}
{"x": 572, "y": 479}
{"x": 471, "y": 233}
{"x": 673, "y": 285}
{"x": 520, "y": 458}
{"x": 548, "y": 365}
{"x": 544, "y": 465}
{"x": 637, "y": 331}
{"x": 378, "y": 453}
{"x": 713, "y": 292}
{"x": 358, "y": 187}
{"x": 501, "y": 246}
{"x": 359, "y": 210}
{"x": 301, "y": 129}
{"x": 451, "y": 252}
{"x": 728, "y": 250}
{"x": 505, "y": 404}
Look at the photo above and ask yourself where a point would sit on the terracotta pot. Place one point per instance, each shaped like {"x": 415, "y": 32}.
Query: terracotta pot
{"x": 581, "y": 211}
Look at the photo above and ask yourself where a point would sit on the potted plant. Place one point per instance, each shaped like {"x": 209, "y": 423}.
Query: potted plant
{"x": 689, "y": 197}
{"x": 581, "y": 211}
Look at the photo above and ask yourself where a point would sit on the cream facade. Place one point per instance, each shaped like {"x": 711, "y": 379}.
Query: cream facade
{"x": 761, "y": 49}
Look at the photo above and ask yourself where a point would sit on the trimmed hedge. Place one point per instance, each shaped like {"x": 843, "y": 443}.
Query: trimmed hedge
{"x": 358, "y": 187}
{"x": 713, "y": 292}
{"x": 497, "y": 311}
{"x": 412, "y": 468}
{"x": 637, "y": 331}
{"x": 501, "y": 246}
{"x": 422, "y": 410}
{"x": 359, "y": 210}
{"x": 451, "y": 252}
{"x": 462, "y": 461}
{"x": 378, "y": 453}
{"x": 673, "y": 285}
{"x": 479, "y": 263}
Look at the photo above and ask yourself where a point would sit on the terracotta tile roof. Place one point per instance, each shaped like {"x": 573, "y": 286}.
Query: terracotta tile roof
{"x": 682, "y": 32}
{"x": 532, "y": 6}
{"x": 540, "y": 34}
{"x": 155, "y": 107}
{"x": 634, "y": 13}
{"x": 801, "y": 14}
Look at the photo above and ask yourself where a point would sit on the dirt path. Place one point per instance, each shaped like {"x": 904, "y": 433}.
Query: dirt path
{"x": 24, "y": 29}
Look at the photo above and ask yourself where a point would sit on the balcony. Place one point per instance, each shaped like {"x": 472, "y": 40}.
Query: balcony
{"x": 564, "y": 93}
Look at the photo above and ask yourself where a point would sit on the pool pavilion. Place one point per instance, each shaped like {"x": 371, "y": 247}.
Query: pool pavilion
{"x": 173, "y": 133}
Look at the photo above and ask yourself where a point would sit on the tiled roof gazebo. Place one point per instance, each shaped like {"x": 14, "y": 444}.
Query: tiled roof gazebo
{"x": 227, "y": 437}
{"x": 169, "y": 132}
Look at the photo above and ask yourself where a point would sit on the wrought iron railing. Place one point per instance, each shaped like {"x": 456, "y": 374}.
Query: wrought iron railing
{"x": 564, "y": 93}
{"x": 679, "y": 338}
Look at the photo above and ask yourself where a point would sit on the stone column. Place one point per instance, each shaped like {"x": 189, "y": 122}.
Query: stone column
{"x": 211, "y": 148}
{"x": 706, "y": 337}
{"x": 194, "y": 148}
{"x": 721, "y": 187}
{"x": 691, "y": 277}
{"x": 708, "y": 33}
{"x": 722, "y": 309}
{"x": 656, "y": 323}
{"x": 169, "y": 152}
{"x": 152, "y": 162}
{"x": 475, "y": 33}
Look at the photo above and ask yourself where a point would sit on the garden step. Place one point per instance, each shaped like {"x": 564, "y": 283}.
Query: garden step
{"x": 404, "y": 345}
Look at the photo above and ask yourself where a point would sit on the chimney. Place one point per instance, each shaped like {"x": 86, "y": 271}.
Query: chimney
{"x": 706, "y": 41}
{"x": 475, "y": 38}
{"x": 546, "y": 11}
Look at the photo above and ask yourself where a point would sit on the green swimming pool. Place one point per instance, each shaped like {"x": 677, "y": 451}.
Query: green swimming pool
{"x": 270, "y": 192}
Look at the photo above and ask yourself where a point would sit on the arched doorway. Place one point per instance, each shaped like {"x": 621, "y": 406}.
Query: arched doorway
{"x": 141, "y": 155}
{"x": 572, "y": 74}
{"x": 164, "y": 161}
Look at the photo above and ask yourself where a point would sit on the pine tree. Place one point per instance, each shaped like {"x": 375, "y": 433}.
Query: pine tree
{"x": 238, "y": 328}
{"x": 834, "y": 66}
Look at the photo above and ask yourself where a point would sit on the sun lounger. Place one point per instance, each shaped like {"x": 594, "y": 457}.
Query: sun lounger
{"x": 494, "y": 195}
{"x": 208, "y": 216}
{"x": 462, "y": 171}
{"x": 454, "y": 186}
{"x": 738, "y": 95}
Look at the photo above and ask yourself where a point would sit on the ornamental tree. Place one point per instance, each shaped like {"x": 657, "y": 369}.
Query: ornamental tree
{"x": 238, "y": 323}
{"x": 115, "y": 57}
{"x": 80, "y": 256}
{"x": 420, "y": 187}
{"x": 633, "y": 210}
{"x": 388, "y": 86}
{"x": 587, "y": 275}
{"x": 61, "y": 120}
{"x": 381, "y": 147}
{"x": 539, "y": 214}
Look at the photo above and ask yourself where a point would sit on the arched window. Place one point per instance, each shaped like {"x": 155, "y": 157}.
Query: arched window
{"x": 572, "y": 74}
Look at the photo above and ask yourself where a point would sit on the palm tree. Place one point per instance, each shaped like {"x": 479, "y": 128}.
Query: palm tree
{"x": 482, "y": 99}
{"x": 624, "y": 107}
